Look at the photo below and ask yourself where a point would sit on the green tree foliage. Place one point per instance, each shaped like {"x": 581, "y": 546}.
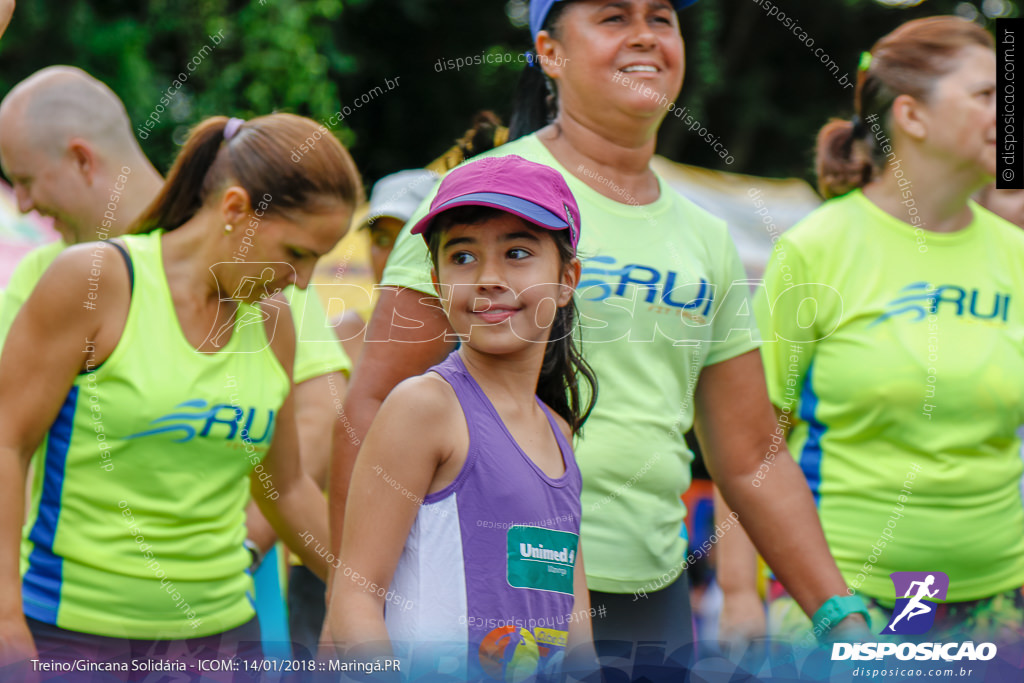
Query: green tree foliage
{"x": 278, "y": 55}
{"x": 753, "y": 82}
{"x": 750, "y": 82}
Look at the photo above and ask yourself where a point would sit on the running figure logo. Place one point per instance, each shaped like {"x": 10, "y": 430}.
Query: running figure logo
{"x": 916, "y": 597}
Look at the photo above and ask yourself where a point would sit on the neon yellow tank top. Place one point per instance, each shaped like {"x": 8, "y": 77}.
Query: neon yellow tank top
{"x": 137, "y": 508}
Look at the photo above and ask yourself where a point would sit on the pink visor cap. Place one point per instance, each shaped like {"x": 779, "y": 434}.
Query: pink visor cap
{"x": 534, "y": 192}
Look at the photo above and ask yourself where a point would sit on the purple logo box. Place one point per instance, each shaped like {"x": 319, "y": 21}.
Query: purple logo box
{"x": 916, "y": 596}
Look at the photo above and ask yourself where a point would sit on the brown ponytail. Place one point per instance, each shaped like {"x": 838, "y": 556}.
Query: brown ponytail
{"x": 841, "y": 165}
{"x": 907, "y": 61}
{"x": 294, "y": 160}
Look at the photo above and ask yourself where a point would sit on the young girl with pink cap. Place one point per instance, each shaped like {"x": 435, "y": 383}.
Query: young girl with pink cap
{"x": 461, "y": 534}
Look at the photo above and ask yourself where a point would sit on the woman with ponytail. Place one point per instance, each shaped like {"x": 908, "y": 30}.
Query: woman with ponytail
{"x": 904, "y": 383}
{"x": 149, "y": 376}
{"x": 662, "y": 325}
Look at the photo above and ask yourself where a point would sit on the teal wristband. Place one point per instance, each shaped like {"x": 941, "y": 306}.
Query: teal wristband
{"x": 834, "y": 610}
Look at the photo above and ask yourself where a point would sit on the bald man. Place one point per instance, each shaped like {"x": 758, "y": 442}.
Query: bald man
{"x": 67, "y": 145}
{"x": 6, "y": 11}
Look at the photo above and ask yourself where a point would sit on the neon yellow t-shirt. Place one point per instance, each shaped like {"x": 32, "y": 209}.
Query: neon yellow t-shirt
{"x": 317, "y": 349}
{"x": 657, "y": 304}
{"x": 907, "y": 378}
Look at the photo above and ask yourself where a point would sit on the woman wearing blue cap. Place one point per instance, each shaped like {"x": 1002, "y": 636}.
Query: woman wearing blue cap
{"x": 667, "y": 334}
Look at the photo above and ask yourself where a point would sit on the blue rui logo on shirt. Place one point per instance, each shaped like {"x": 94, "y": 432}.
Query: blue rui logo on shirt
{"x": 599, "y": 283}
{"x": 916, "y": 593}
{"x": 186, "y": 423}
{"x": 918, "y": 299}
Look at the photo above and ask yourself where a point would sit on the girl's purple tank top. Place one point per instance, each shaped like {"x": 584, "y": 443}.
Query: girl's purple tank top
{"x": 485, "y": 580}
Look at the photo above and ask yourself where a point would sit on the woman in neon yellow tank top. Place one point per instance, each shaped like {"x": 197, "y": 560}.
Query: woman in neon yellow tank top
{"x": 150, "y": 377}
{"x": 904, "y": 385}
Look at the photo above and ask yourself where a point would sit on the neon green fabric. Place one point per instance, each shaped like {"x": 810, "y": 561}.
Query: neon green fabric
{"x": 23, "y": 281}
{"x": 906, "y": 384}
{"x": 317, "y": 349}
{"x": 657, "y": 305}
{"x": 138, "y": 503}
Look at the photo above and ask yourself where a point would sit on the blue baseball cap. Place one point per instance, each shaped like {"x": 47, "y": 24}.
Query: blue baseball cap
{"x": 539, "y": 10}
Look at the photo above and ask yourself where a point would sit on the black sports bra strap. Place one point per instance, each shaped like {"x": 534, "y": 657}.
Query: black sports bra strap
{"x": 127, "y": 261}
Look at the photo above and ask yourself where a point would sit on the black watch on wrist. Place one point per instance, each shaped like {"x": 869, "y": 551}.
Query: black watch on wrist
{"x": 257, "y": 554}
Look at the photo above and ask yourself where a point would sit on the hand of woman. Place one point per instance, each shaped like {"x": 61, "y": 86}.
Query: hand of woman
{"x": 852, "y": 629}
{"x": 327, "y": 648}
{"x": 742, "y": 618}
